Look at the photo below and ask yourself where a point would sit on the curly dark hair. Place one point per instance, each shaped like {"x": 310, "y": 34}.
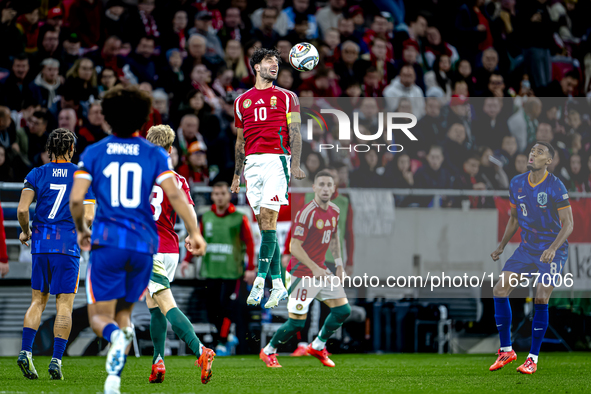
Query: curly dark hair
{"x": 59, "y": 143}
{"x": 126, "y": 109}
{"x": 262, "y": 53}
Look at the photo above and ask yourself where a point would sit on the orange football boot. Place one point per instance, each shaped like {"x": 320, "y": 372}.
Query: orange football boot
{"x": 321, "y": 355}
{"x": 301, "y": 350}
{"x": 528, "y": 367}
{"x": 503, "y": 359}
{"x": 269, "y": 359}
{"x": 204, "y": 362}
{"x": 158, "y": 371}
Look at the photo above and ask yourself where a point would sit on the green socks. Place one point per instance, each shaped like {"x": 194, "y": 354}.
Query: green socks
{"x": 276, "y": 262}
{"x": 184, "y": 329}
{"x": 158, "y": 326}
{"x": 268, "y": 246}
{"x": 286, "y": 331}
{"x": 334, "y": 320}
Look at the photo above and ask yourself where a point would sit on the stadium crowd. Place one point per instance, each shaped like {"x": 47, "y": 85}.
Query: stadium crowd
{"x": 485, "y": 78}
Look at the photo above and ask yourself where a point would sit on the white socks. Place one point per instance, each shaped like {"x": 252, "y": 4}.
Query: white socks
{"x": 277, "y": 283}
{"x": 268, "y": 350}
{"x": 533, "y": 357}
{"x": 318, "y": 344}
{"x": 506, "y": 349}
{"x": 259, "y": 282}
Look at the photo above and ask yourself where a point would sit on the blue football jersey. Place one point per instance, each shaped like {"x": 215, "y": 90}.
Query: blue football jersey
{"x": 123, "y": 172}
{"x": 537, "y": 209}
{"x": 53, "y": 229}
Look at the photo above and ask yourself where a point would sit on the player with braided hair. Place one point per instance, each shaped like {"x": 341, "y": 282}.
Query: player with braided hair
{"x": 54, "y": 246}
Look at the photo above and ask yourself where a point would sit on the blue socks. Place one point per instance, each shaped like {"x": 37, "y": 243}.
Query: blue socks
{"x": 108, "y": 330}
{"x": 503, "y": 319}
{"x": 28, "y": 338}
{"x": 539, "y": 326}
{"x": 59, "y": 347}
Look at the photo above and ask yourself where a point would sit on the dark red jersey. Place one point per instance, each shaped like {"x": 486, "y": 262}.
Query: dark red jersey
{"x": 165, "y": 216}
{"x": 265, "y": 116}
{"x": 315, "y": 227}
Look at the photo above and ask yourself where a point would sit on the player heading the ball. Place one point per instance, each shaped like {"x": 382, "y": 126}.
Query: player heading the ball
{"x": 268, "y": 148}
{"x": 123, "y": 168}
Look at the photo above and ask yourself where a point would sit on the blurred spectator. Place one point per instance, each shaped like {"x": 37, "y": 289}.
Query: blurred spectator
{"x": 469, "y": 178}
{"x": 141, "y": 62}
{"x": 71, "y": 52}
{"x": 492, "y": 173}
{"x": 536, "y": 31}
{"x": 519, "y": 166}
{"x": 416, "y": 31}
{"x": 566, "y": 87}
{"x": 490, "y": 62}
{"x": 37, "y": 133}
{"x": 12, "y": 42}
{"x": 266, "y": 34}
{"x": 115, "y": 19}
{"x": 203, "y": 26}
{"x": 523, "y": 124}
{"x": 188, "y": 132}
{"x": 28, "y": 24}
{"x": 312, "y": 164}
{"x": 67, "y": 119}
{"x": 329, "y": 16}
{"x": 346, "y": 28}
{"x": 381, "y": 60}
{"x": 379, "y": 29}
{"x": 302, "y": 7}
{"x": 200, "y": 79}
{"x": 197, "y": 55}
{"x": 496, "y": 86}
{"x": 577, "y": 177}
{"x": 107, "y": 79}
{"x": 195, "y": 169}
{"x": 285, "y": 78}
{"x": 15, "y": 87}
{"x": 464, "y": 73}
{"x": 370, "y": 173}
{"x": 404, "y": 86}
{"x": 460, "y": 111}
{"x": 299, "y": 33}
{"x": 44, "y": 89}
{"x": 429, "y": 129}
{"x": 142, "y": 22}
{"x": 436, "y": 47}
{"x": 349, "y": 66}
{"x": 94, "y": 129}
{"x": 7, "y": 132}
{"x": 85, "y": 19}
{"x": 490, "y": 128}
{"x": 473, "y": 31}
{"x": 433, "y": 175}
{"x": 48, "y": 47}
{"x": 5, "y": 168}
{"x": 82, "y": 78}
{"x": 281, "y": 23}
{"x": 161, "y": 104}
{"x": 177, "y": 36}
{"x": 172, "y": 77}
{"x": 440, "y": 75}
{"x": 507, "y": 151}
{"x": 503, "y": 29}
{"x": 108, "y": 56}
{"x": 398, "y": 173}
{"x": 544, "y": 134}
{"x": 455, "y": 147}
{"x": 233, "y": 28}
{"x": 410, "y": 56}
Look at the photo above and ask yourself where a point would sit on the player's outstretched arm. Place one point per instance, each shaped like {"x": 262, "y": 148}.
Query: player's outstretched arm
{"x": 79, "y": 190}
{"x": 195, "y": 242}
{"x": 239, "y": 161}
{"x": 566, "y": 218}
{"x": 295, "y": 144}
{"x": 22, "y": 212}
{"x": 335, "y": 248}
{"x": 510, "y": 231}
{"x": 299, "y": 253}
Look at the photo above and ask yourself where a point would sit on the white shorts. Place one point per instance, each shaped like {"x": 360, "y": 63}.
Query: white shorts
{"x": 267, "y": 179}
{"x": 304, "y": 292}
{"x": 163, "y": 272}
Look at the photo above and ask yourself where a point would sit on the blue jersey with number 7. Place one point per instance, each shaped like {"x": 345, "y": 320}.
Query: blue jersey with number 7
{"x": 537, "y": 209}
{"x": 123, "y": 172}
{"x": 53, "y": 230}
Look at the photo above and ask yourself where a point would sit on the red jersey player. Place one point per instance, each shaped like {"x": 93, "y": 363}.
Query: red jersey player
{"x": 159, "y": 299}
{"x": 315, "y": 229}
{"x": 268, "y": 147}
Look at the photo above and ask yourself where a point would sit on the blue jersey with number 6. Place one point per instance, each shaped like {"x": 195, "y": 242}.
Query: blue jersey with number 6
{"x": 537, "y": 209}
{"x": 123, "y": 172}
{"x": 53, "y": 230}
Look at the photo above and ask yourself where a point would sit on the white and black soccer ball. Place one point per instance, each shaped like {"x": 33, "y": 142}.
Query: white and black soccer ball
{"x": 303, "y": 56}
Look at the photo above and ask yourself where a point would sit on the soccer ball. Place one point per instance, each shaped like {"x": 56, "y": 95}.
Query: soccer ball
{"x": 303, "y": 56}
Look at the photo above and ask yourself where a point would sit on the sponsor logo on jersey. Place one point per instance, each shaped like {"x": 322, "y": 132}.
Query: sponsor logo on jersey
{"x": 259, "y": 102}
{"x": 565, "y": 196}
{"x": 542, "y": 198}
{"x": 327, "y": 223}
{"x": 320, "y": 224}
{"x": 298, "y": 232}
{"x": 334, "y": 221}
{"x": 246, "y": 103}
{"x": 273, "y": 102}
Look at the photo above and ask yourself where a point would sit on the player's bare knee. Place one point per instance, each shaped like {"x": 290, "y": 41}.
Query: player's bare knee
{"x": 541, "y": 300}
{"x": 295, "y": 316}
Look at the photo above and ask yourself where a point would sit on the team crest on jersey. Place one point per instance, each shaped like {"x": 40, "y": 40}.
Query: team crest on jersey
{"x": 299, "y": 231}
{"x": 273, "y": 102}
{"x": 542, "y": 198}
{"x": 320, "y": 224}
{"x": 334, "y": 222}
{"x": 299, "y": 307}
{"x": 247, "y": 103}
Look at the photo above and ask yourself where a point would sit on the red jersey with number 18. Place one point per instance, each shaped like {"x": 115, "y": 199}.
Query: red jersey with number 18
{"x": 165, "y": 216}
{"x": 265, "y": 115}
{"x": 314, "y": 227}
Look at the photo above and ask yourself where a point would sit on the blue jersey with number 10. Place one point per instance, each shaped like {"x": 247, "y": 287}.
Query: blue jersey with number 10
{"x": 53, "y": 230}
{"x": 537, "y": 209}
{"x": 123, "y": 172}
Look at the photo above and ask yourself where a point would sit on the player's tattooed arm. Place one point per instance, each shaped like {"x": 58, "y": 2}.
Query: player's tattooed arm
{"x": 240, "y": 156}
{"x": 295, "y": 143}
{"x": 335, "y": 248}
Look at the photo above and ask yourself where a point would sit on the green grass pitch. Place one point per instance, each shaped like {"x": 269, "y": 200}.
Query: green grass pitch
{"x": 423, "y": 373}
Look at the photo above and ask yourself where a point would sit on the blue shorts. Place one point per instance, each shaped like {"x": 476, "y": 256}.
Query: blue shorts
{"x": 115, "y": 273}
{"x": 527, "y": 261}
{"x": 55, "y": 273}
